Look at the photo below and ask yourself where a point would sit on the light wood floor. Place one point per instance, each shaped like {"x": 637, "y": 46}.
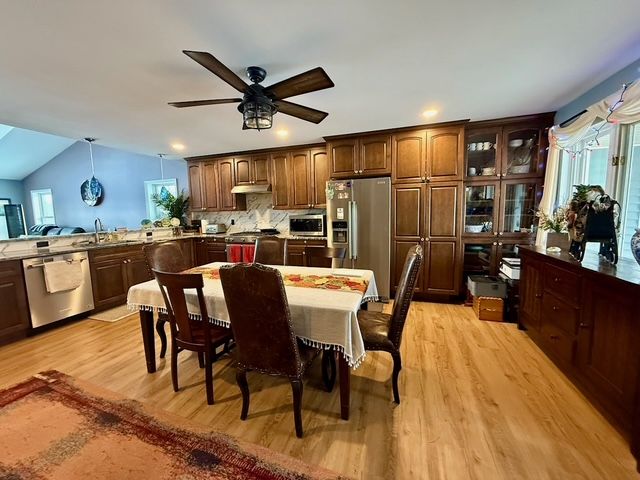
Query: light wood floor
{"x": 479, "y": 400}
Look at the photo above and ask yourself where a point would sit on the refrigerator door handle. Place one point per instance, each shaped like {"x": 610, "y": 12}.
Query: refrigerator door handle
{"x": 354, "y": 230}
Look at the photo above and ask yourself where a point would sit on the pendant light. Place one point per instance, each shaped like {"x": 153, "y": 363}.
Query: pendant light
{"x": 91, "y": 190}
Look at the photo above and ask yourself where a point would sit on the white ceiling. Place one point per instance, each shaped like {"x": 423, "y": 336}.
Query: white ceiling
{"x": 24, "y": 151}
{"x": 81, "y": 68}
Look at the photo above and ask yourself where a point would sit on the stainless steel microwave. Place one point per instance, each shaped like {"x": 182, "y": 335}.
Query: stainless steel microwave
{"x": 308, "y": 225}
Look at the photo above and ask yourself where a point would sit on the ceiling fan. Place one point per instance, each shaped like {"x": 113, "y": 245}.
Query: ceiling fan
{"x": 259, "y": 104}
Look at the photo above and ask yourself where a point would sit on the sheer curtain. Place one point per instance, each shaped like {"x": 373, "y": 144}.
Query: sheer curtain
{"x": 566, "y": 137}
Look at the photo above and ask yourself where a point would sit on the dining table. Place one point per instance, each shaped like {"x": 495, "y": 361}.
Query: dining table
{"x": 323, "y": 303}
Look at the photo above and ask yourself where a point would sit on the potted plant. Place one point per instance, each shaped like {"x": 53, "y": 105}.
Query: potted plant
{"x": 556, "y": 227}
{"x": 175, "y": 206}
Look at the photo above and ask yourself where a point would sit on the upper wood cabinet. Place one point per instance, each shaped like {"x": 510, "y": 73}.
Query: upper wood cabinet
{"x": 445, "y": 154}
{"x": 360, "y": 156}
{"x": 319, "y": 176}
{"x": 196, "y": 199}
{"x": 280, "y": 163}
{"x": 300, "y": 180}
{"x": 343, "y": 155}
{"x": 252, "y": 170}
{"x": 211, "y": 185}
{"x": 408, "y": 156}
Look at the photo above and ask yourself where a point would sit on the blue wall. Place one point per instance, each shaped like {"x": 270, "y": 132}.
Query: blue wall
{"x": 12, "y": 189}
{"x": 600, "y": 91}
{"x": 122, "y": 175}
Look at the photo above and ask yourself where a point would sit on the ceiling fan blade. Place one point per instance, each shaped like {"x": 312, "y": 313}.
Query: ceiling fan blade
{"x": 198, "y": 103}
{"x": 315, "y": 79}
{"x": 216, "y": 67}
{"x": 299, "y": 111}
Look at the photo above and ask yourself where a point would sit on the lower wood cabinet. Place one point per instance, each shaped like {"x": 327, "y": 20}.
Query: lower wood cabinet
{"x": 585, "y": 318}
{"x": 296, "y": 248}
{"x": 14, "y": 319}
{"x": 113, "y": 271}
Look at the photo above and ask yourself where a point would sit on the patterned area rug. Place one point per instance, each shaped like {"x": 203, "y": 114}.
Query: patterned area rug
{"x": 53, "y": 426}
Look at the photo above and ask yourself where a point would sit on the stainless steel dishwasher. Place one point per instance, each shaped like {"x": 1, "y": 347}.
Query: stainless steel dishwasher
{"x": 50, "y": 307}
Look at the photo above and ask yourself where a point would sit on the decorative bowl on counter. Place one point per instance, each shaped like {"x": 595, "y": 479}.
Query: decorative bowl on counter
{"x": 519, "y": 169}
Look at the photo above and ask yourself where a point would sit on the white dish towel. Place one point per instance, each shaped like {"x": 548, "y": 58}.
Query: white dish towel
{"x": 61, "y": 275}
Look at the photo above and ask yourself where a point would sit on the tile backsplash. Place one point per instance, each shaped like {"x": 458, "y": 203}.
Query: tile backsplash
{"x": 259, "y": 214}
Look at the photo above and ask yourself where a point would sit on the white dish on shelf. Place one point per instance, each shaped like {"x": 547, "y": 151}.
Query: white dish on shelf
{"x": 519, "y": 169}
{"x": 473, "y": 228}
{"x": 516, "y": 142}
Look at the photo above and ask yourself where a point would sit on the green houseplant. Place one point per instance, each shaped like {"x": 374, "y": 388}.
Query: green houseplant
{"x": 175, "y": 206}
{"x": 556, "y": 227}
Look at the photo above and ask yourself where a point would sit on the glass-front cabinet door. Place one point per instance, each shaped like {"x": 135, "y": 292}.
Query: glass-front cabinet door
{"x": 483, "y": 153}
{"x": 518, "y": 200}
{"x": 523, "y": 152}
{"x": 481, "y": 209}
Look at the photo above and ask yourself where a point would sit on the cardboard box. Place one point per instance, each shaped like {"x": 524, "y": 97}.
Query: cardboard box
{"x": 489, "y": 308}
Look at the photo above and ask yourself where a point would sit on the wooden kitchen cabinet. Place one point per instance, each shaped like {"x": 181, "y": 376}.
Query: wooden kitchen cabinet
{"x": 252, "y": 170}
{"x": 14, "y": 321}
{"x": 408, "y": 156}
{"x": 113, "y": 271}
{"x": 210, "y": 186}
{"x": 226, "y": 181}
{"x": 296, "y": 250}
{"x": 445, "y": 154}
{"x": 319, "y": 176}
{"x": 300, "y": 180}
{"x": 216, "y": 250}
{"x": 354, "y": 157}
{"x": 242, "y": 171}
{"x": 196, "y": 198}
{"x": 280, "y": 163}
{"x": 200, "y": 251}
{"x": 428, "y": 214}
{"x": 584, "y": 316}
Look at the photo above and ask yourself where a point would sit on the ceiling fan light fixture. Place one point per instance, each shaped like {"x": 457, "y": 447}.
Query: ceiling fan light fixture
{"x": 258, "y": 115}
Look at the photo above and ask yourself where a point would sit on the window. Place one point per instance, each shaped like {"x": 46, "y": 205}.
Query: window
{"x": 42, "y": 204}
{"x": 158, "y": 187}
{"x": 620, "y": 179}
{"x": 4, "y": 230}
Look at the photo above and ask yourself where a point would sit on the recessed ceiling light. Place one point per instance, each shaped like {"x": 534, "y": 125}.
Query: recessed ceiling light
{"x": 282, "y": 133}
{"x": 430, "y": 113}
{"x": 178, "y": 147}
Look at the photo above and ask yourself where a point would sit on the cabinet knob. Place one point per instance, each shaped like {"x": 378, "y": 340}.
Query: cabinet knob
{"x": 554, "y": 337}
{"x": 555, "y": 308}
{"x": 500, "y": 243}
{"x": 361, "y": 171}
{"x": 584, "y": 325}
{"x": 355, "y": 171}
{"x": 495, "y": 243}
{"x": 538, "y": 295}
{"x": 421, "y": 239}
{"x": 424, "y": 178}
{"x": 500, "y": 234}
{"x": 556, "y": 279}
{"x": 495, "y": 234}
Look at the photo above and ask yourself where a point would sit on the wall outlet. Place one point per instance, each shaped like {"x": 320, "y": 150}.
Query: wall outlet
{"x": 233, "y": 222}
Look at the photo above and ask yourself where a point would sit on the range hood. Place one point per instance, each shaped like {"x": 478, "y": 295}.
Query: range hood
{"x": 252, "y": 188}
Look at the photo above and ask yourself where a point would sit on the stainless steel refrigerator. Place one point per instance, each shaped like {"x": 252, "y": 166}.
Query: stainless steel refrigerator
{"x": 359, "y": 219}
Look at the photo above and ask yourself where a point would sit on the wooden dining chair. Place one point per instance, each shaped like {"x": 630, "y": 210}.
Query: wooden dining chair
{"x": 383, "y": 331}
{"x": 165, "y": 257}
{"x": 271, "y": 250}
{"x": 261, "y": 323}
{"x": 186, "y": 333}
{"x": 325, "y": 256}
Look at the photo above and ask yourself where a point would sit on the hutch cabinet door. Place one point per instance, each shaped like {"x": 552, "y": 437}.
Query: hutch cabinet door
{"x": 343, "y": 155}
{"x": 441, "y": 272}
{"x": 375, "y": 155}
{"x": 400, "y": 248}
{"x": 195, "y": 187}
{"x": 524, "y": 151}
{"x": 481, "y": 209}
{"x": 442, "y": 210}
{"x": 445, "y": 154}
{"x": 408, "y": 156}
{"x": 408, "y": 211}
{"x": 519, "y": 200}
{"x": 531, "y": 288}
{"x": 483, "y": 154}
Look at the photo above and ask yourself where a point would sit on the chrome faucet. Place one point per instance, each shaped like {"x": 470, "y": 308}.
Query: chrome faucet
{"x": 97, "y": 225}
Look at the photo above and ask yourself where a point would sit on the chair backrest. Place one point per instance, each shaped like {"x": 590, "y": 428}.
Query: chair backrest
{"x": 260, "y": 319}
{"x": 271, "y": 250}
{"x": 172, "y": 286}
{"x": 404, "y": 293}
{"x": 165, "y": 257}
{"x": 324, "y": 256}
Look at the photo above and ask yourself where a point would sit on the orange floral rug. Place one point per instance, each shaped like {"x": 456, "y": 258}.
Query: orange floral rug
{"x": 53, "y": 426}
{"x": 327, "y": 282}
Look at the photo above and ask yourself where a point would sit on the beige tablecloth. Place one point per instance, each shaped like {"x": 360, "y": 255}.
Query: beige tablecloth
{"x": 322, "y": 318}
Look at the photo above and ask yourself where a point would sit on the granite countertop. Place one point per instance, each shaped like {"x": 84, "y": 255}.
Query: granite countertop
{"x": 85, "y": 246}
{"x": 626, "y": 270}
